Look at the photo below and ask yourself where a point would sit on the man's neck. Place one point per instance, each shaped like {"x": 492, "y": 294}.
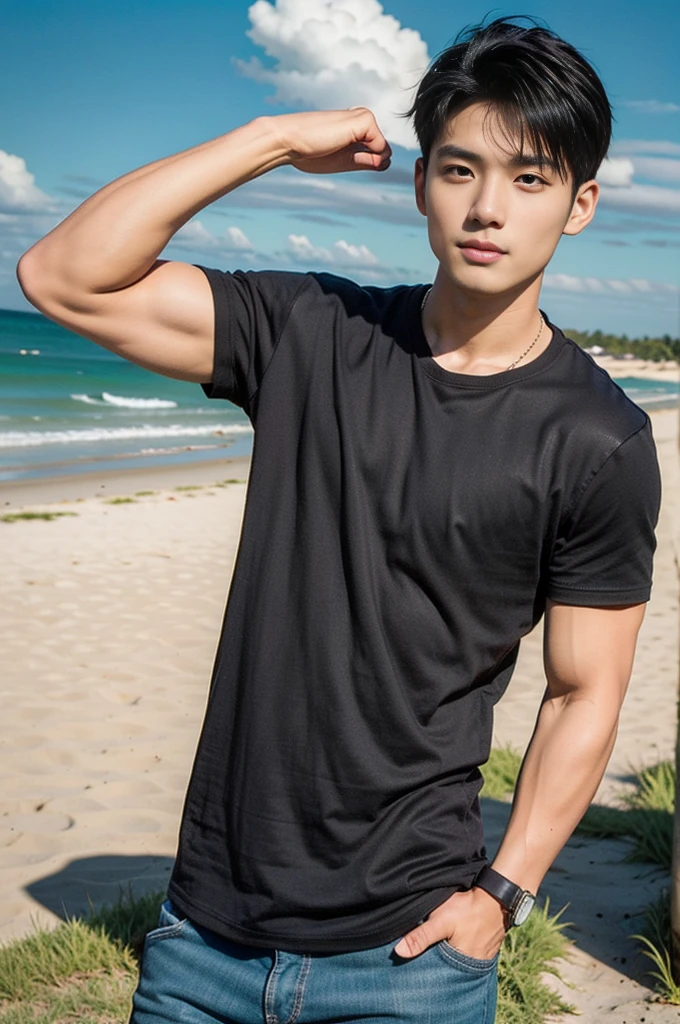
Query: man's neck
{"x": 483, "y": 334}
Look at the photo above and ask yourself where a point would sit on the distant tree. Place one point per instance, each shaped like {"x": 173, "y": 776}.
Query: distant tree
{"x": 653, "y": 349}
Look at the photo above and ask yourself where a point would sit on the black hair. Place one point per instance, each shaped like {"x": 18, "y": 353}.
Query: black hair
{"x": 538, "y": 87}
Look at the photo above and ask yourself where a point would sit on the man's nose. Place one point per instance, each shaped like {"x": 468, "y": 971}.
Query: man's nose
{"x": 488, "y": 206}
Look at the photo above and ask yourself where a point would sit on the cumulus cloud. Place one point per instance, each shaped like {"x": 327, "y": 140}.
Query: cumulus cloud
{"x": 634, "y": 286}
{"x": 333, "y": 54}
{"x": 617, "y": 172}
{"x": 651, "y": 106}
{"x": 342, "y": 253}
{"x": 18, "y": 191}
{"x": 194, "y": 236}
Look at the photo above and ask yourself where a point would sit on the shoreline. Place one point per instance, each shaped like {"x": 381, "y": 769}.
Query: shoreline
{"x": 126, "y": 481}
{"x": 51, "y": 490}
{"x": 644, "y": 369}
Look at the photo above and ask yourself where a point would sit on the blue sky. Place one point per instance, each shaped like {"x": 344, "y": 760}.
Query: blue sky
{"x": 92, "y": 90}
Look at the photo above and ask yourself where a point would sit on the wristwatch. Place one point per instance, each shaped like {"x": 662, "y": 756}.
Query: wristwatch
{"x": 517, "y": 902}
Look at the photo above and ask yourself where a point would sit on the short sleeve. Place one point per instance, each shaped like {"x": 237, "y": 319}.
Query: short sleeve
{"x": 251, "y": 310}
{"x": 603, "y": 555}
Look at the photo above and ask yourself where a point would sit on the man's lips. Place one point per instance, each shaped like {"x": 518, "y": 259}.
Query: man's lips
{"x": 479, "y": 251}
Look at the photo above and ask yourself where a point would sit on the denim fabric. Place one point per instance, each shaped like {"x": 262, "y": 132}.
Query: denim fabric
{"x": 191, "y": 976}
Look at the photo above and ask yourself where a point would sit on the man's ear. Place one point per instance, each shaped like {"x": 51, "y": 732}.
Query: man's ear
{"x": 583, "y": 208}
{"x": 419, "y": 184}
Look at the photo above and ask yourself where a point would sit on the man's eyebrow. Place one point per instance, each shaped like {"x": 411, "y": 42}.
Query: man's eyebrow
{"x": 456, "y": 151}
{"x": 517, "y": 159}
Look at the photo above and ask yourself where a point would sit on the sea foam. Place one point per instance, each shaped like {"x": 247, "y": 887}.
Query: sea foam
{"x": 125, "y": 403}
{"x": 31, "y": 439}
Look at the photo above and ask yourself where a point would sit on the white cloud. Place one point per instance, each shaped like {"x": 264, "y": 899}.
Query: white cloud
{"x": 634, "y": 286}
{"x": 657, "y": 147}
{"x": 342, "y": 254}
{"x": 644, "y": 199}
{"x": 239, "y": 239}
{"x": 651, "y": 106}
{"x": 658, "y": 168}
{"x": 617, "y": 172}
{"x": 195, "y": 235}
{"x": 18, "y": 192}
{"x": 356, "y": 254}
{"x": 334, "y": 54}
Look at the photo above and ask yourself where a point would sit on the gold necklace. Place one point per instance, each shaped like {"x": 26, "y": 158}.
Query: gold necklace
{"x": 519, "y": 358}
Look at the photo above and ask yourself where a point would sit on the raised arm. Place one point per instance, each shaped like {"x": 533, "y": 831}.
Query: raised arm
{"x": 98, "y": 271}
{"x": 588, "y": 658}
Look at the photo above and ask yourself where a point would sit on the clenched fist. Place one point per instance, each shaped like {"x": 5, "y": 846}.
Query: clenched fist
{"x": 329, "y": 141}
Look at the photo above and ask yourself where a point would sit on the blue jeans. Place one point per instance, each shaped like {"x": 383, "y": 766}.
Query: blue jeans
{"x": 190, "y": 975}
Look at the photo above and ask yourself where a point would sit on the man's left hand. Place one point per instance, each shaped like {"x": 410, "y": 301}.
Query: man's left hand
{"x": 472, "y": 922}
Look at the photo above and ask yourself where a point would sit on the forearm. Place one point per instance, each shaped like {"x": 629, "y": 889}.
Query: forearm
{"x": 561, "y": 771}
{"x": 114, "y": 237}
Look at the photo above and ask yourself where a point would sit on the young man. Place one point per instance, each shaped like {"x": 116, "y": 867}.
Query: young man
{"x": 434, "y": 468}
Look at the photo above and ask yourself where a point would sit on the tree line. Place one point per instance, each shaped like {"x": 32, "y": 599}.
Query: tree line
{"x": 654, "y": 349}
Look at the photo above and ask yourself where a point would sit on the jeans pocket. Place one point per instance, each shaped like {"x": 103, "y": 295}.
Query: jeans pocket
{"x": 465, "y": 962}
{"x": 169, "y": 923}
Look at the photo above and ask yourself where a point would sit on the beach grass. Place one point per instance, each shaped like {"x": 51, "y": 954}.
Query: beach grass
{"x": 528, "y": 954}
{"x": 645, "y": 817}
{"x": 86, "y": 969}
{"x": 120, "y": 501}
{"x": 500, "y": 773}
{"x": 15, "y": 517}
{"x": 656, "y": 942}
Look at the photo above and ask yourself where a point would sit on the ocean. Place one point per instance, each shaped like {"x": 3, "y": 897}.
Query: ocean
{"x": 69, "y": 406}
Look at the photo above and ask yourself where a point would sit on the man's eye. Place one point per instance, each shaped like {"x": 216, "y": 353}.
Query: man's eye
{"x": 458, "y": 171}
{"x": 530, "y": 179}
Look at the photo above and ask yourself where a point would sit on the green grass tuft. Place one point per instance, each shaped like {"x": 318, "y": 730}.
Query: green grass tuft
{"x": 528, "y": 954}
{"x": 656, "y": 943}
{"x": 143, "y": 494}
{"x": 500, "y": 773}
{"x": 129, "y": 919}
{"x": 645, "y": 817}
{"x": 75, "y": 948}
{"x": 86, "y": 970}
{"x": 189, "y": 487}
{"x": 120, "y": 501}
{"x": 14, "y": 517}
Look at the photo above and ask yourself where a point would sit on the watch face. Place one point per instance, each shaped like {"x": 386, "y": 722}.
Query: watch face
{"x": 524, "y": 908}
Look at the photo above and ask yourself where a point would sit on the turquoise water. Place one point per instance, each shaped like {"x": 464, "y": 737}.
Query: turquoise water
{"x": 69, "y": 406}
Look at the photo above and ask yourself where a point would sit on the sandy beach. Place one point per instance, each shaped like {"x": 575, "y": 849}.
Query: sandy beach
{"x": 110, "y": 623}
{"x": 647, "y": 369}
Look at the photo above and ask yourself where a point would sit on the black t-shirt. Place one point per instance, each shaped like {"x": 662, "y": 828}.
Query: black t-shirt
{"x": 404, "y": 526}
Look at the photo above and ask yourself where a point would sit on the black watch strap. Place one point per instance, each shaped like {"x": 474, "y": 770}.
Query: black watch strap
{"x": 518, "y": 903}
{"x": 501, "y": 888}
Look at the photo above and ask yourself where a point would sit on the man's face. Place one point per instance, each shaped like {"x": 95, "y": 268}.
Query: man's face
{"x": 479, "y": 189}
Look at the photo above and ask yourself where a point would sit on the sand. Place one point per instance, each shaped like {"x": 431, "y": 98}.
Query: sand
{"x": 620, "y": 368}
{"x": 110, "y": 624}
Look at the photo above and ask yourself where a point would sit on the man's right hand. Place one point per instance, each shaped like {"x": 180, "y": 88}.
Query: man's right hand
{"x": 331, "y": 141}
